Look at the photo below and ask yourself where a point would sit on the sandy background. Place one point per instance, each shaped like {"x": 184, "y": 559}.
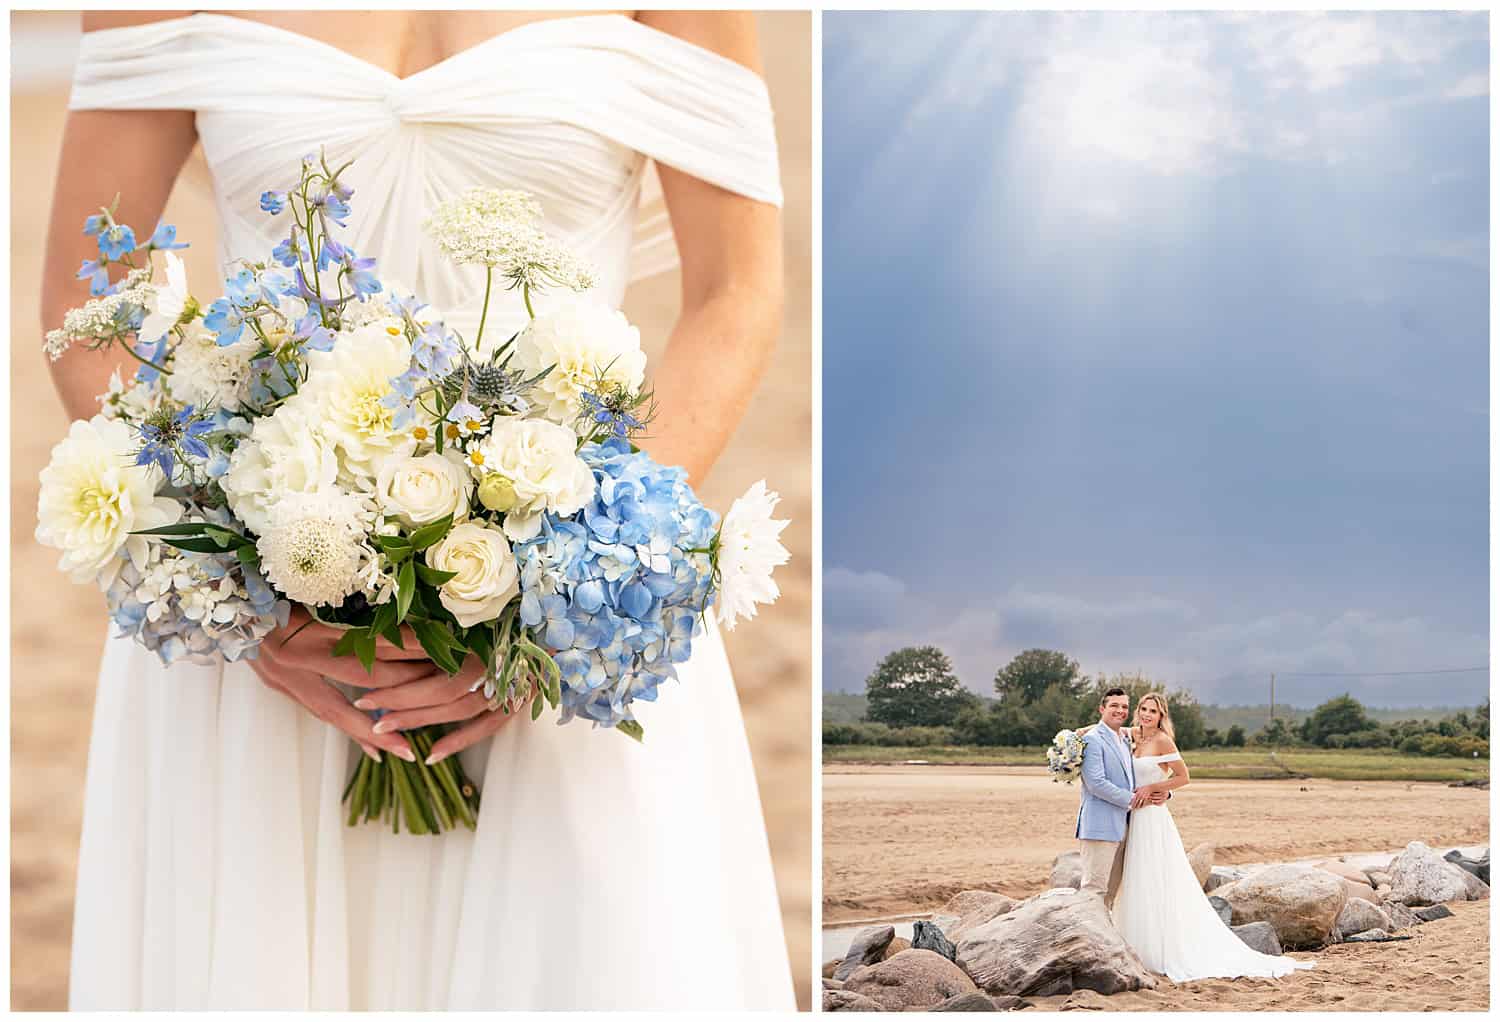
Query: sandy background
{"x": 58, "y": 628}
{"x": 903, "y": 839}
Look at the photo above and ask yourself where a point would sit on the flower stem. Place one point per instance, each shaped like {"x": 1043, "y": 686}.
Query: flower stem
{"x": 146, "y": 361}
{"x": 489, "y": 273}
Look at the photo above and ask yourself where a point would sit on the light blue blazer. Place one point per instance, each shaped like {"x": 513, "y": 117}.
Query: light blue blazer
{"x": 1108, "y": 786}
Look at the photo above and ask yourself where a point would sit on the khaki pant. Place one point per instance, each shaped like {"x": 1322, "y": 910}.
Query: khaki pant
{"x": 1103, "y": 862}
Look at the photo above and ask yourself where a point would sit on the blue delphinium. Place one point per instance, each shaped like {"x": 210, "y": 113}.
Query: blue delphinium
{"x": 164, "y": 238}
{"x": 96, "y": 272}
{"x": 273, "y": 202}
{"x": 225, "y": 320}
{"x": 618, "y": 590}
{"x": 116, "y": 240}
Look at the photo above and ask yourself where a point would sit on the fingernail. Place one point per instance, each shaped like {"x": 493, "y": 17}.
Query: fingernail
{"x": 406, "y": 754}
{"x": 434, "y": 758}
{"x": 381, "y": 727}
{"x": 364, "y": 704}
{"x": 372, "y": 753}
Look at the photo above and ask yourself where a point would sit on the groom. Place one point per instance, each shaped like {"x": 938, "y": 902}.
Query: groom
{"x": 1107, "y": 796}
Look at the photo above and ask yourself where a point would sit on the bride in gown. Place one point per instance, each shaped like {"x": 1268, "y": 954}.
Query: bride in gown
{"x": 215, "y": 869}
{"x": 1160, "y": 909}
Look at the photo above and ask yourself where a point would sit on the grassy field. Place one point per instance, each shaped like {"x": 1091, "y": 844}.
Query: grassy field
{"x": 1249, "y": 764}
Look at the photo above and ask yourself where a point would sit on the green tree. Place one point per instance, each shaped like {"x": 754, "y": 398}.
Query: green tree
{"x": 1032, "y": 672}
{"x": 1187, "y": 715}
{"x": 1235, "y": 736}
{"x": 915, "y": 686}
{"x": 1275, "y": 733}
{"x": 1341, "y": 715}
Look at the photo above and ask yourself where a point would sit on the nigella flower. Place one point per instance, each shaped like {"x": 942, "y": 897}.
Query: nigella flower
{"x": 116, "y": 241}
{"x": 168, "y": 437}
{"x": 273, "y": 202}
{"x": 97, "y": 274}
{"x": 225, "y": 320}
{"x": 165, "y": 238}
{"x": 603, "y": 412}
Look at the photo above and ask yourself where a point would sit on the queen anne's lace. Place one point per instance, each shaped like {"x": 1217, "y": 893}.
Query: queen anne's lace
{"x": 499, "y": 228}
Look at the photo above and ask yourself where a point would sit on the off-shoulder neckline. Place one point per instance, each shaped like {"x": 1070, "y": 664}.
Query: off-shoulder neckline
{"x": 509, "y": 36}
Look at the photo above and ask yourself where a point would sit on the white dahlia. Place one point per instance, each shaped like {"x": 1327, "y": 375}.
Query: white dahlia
{"x": 169, "y": 303}
{"x": 284, "y": 454}
{"x": 347, "y": 386}
{"x": 93, "y": 496}
{"x": 313, "y": 550}
{"x": 585, "y": 343}
{"x": 749, "y": 550}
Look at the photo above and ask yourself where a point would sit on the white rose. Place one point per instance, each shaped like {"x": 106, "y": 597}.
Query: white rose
{"x": 582, "y": 341}
{"x": 487, "y": 576}
{"x": 540, "y": 459}
{"x": 285, "y": 453}
{"x": 422, "y": 490}
{"x": 93, "y": 496}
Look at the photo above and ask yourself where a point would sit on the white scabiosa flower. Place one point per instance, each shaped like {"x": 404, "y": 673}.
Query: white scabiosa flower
{"x": 93, "y": 496}
{"x": 501, "y": 229}
{"x": 749, "y": 550}
{"x": 313, "y": 550}
{"x": 285, "y": 454}
{"x": 585, "y": 344}
{"x": 206, "y": 375}
{"x": 539, "y": 459}
{"x": 170, "y": 302}
{"x": 348, "y": 386}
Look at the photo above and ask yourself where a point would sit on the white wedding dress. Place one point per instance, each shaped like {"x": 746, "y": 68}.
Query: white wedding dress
{"x": 1160, "y": 909}
{"x": 215, "y": 869}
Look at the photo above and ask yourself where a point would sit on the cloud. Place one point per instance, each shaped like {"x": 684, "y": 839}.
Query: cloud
{"x": 862, "y": 598}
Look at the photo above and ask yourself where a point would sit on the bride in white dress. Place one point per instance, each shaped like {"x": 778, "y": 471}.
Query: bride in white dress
{"x": 215, "y": 869}
{"x": 1160, "y": 909}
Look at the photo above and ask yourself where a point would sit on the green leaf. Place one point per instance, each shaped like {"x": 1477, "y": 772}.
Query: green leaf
{"x": 248, "y": 555}
{"x": 406, "y": 588}
{"x": 345, "y": 645}
{"x": 385, "y": 617}
{"x": 226, "y": 538}
{"x": 536, "y": 706}
{"x": 481, "y": 641}
{"x": 180, "y": 529}
{"x": 427, "y": 535}
{"x": 438, "y": 642}
{"x": 631, "y": 729}
{"x": 432, "y": 576}
{"x": 364, "y": 648}
{"x": 195, "y": 545}
{"x": 394, "y": 546}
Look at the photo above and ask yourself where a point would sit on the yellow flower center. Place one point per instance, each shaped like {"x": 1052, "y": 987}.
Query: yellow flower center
{"x": 477, "y": 457}
{"x": 450, "y": 431}
{"x": 369, "y": 415}
{"x": 472, "y": 426}
{"x": 394, "y": 331}
{"x": 420, "y": 433}
{"x": 95, "y": 502}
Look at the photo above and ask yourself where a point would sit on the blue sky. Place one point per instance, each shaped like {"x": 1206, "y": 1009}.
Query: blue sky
{"x": 1162, "y": 340}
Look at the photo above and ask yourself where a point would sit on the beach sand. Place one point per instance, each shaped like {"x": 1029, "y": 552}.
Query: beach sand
{"x": 903, "y": 839}
{"x": 58, "y": 628}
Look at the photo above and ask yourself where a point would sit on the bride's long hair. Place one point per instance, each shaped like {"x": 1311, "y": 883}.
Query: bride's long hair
{"x": 1165, "y": 724}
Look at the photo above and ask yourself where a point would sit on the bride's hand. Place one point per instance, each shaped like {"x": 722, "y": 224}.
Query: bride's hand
{"x": 437, "y": 698}
{"x": 296, "y": 659}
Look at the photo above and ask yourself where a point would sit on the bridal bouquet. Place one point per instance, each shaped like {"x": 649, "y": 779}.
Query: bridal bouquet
{"x": 1065, "y": 756}
{"x": 317, "y": 436}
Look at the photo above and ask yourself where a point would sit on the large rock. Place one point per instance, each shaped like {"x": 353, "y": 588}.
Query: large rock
{"x": 967, "y": 1002}
{"x": 1067, "y": 871}
{"x": 1432, "y": 913}
{"x": 1221, "y": 875}
{"x": 1202, "y": 861}
{"x": 867, "y": 948}
{"x": 929, "y": 937}
{"x": 1379, "y": 878}
{"x": 1302, "y": 903}
{"x": 847, "y": 1000}
{"x": 1479, "y": 867}
{"x": 1226, "y": 912}
{"x": 1359, "y": 915}
{"x": 915, "y": 978}
{"x": 1420, "y": 876}
{"x": 964, "y": 902}
{"x": 979, "y": 911}
{"x": 1055, "y": 943}
{"x": 1401, "y": 917}
{"x": 1343, "y": 869}
{"x": 830, "y": 967}
{"x": 1260, "y": 936}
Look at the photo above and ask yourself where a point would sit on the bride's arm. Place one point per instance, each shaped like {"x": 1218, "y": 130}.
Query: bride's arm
{"x": 730, "y": 249}
{"x": 135, "y": 154}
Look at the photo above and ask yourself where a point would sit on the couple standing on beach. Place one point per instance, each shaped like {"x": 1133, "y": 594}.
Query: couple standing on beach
{"x": 1133, "y": 857}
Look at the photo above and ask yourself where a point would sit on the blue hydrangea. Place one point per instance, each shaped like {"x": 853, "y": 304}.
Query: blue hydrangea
{"x": 194, "y": 607}
{"x": 618, "y": 590}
